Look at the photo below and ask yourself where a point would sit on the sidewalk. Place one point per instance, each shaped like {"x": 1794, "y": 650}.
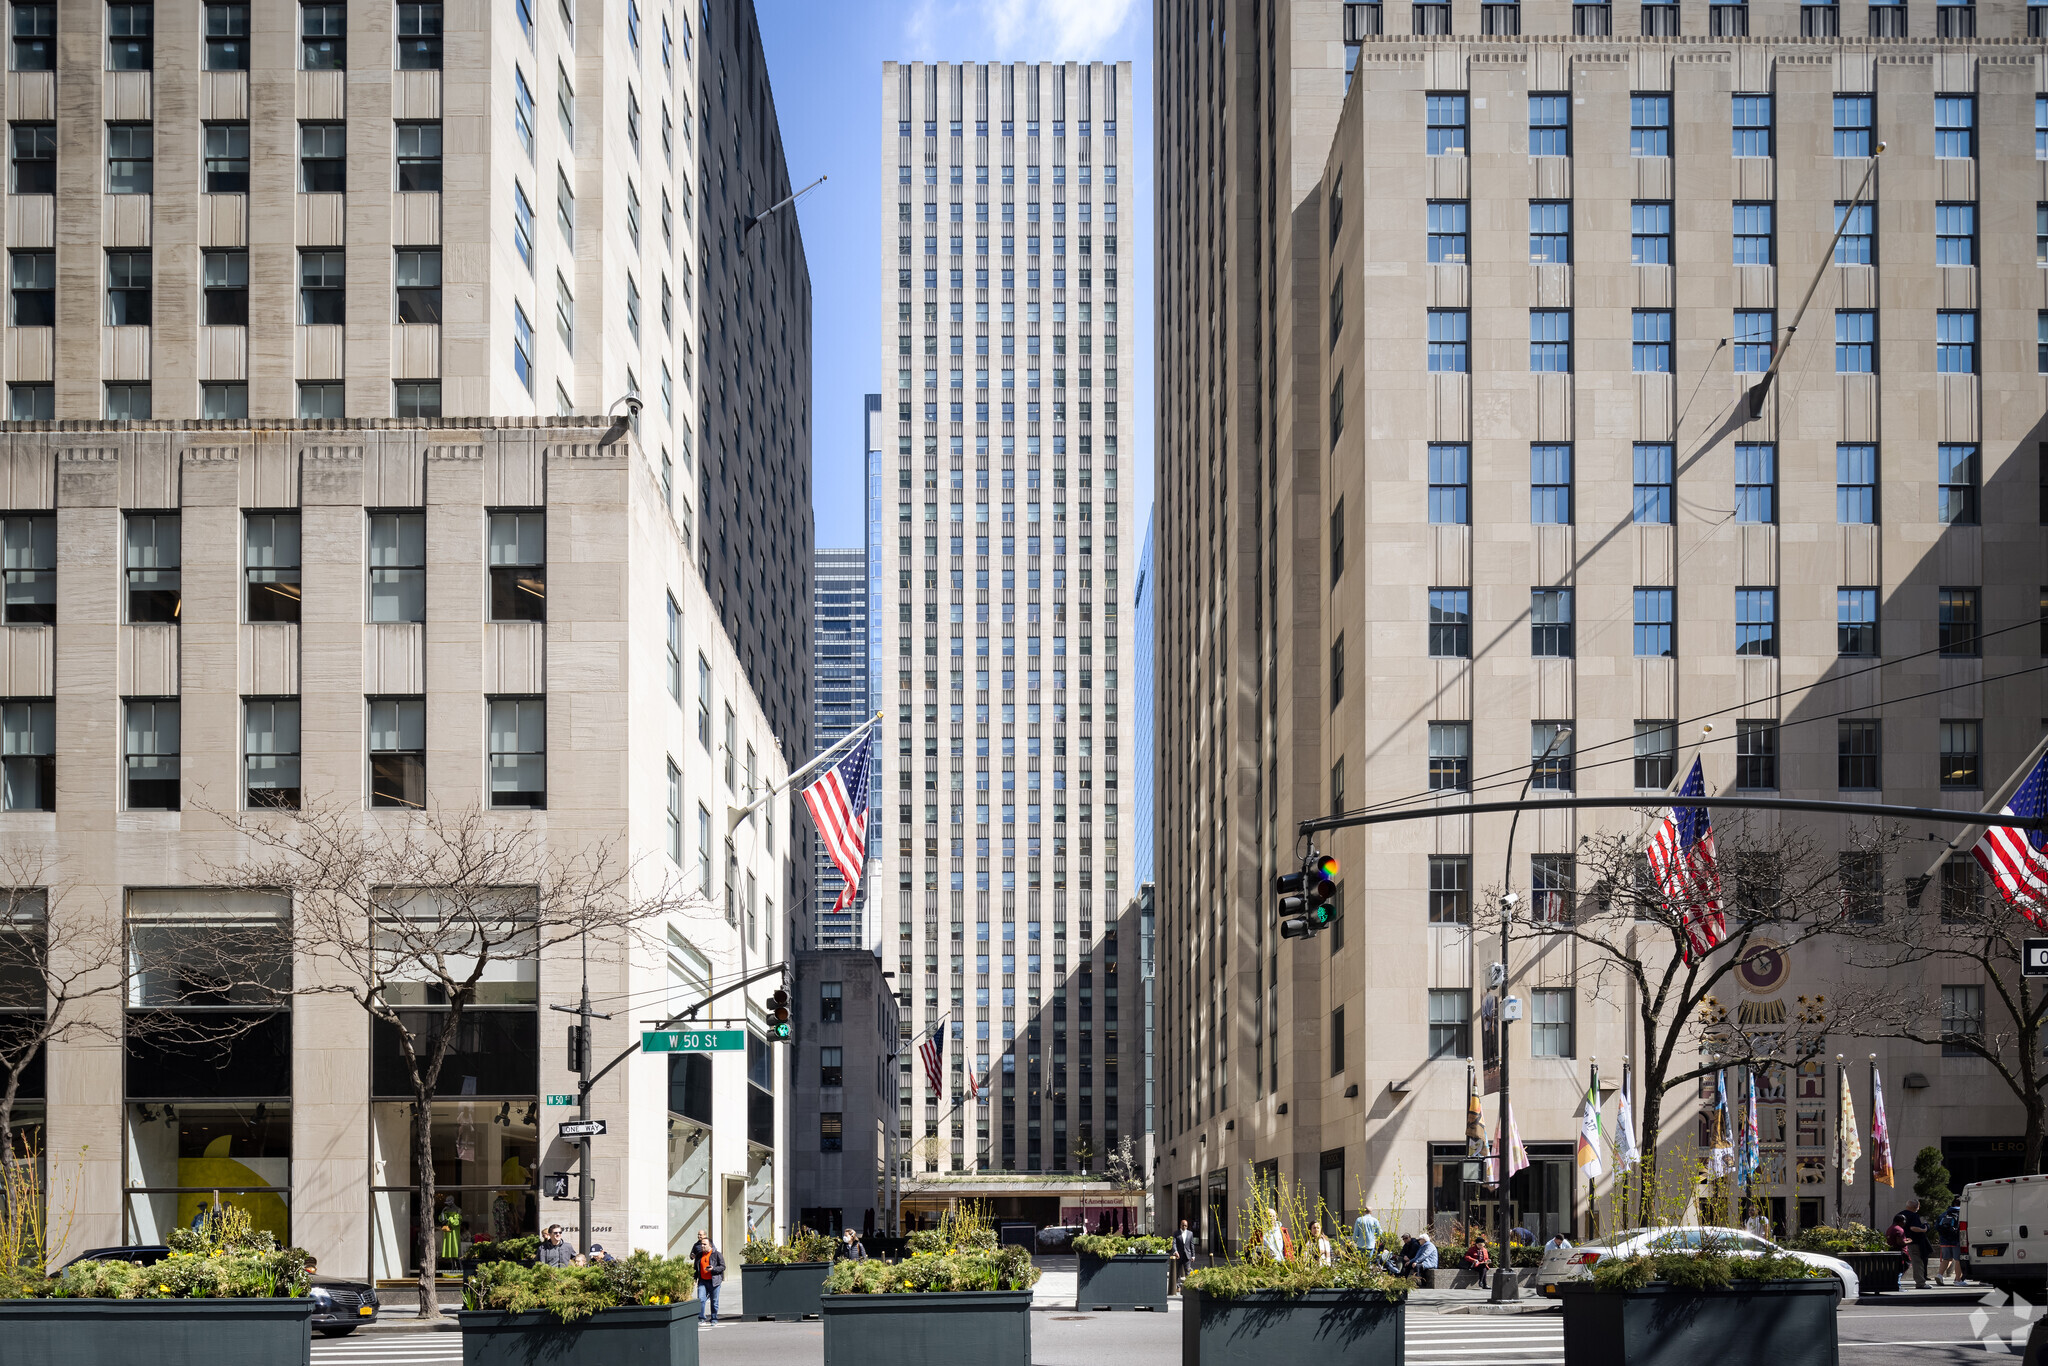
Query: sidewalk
{"x": 1933, "y": 1294}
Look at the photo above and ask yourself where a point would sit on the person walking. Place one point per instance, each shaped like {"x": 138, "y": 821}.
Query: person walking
{"x": 1948, "y": 1236}
{"x": 1320, "y": 1243}
{"x": 553, "y": 1251}
{"x": 1183, "y": 1261}
{"x": 710, "y": 1275}
{"x": 850, "y": 1249}
{"x": 1365, "y": 1231}
{"x": 1918, "y": 1246}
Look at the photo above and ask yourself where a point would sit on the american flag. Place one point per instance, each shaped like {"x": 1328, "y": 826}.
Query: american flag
{"x": 839, "y": 804}
{"x": 933, "y": 1051}
{"x": 2018, "y": 859}
{"x": 1681, "y": 855}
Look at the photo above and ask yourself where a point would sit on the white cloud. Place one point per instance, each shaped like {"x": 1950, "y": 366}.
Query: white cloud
{"x": 974, "y": 30}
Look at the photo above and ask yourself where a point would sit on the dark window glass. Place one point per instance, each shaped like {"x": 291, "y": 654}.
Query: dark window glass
{"x": 31, "y": 569}
{"x": 398, "y": 752}
{"x": 1959, "y": 622}
{"x": 34, "y": 37}
{"x": 151, "y": 752}
{"x": 519, "y": 576}
{"x": 1450, "y": 756}
{"x": 33, "y": 286}
{"x": 323, "y": 158}
{"x": 130, "y": 37}
{"x": 227, "y": 158}
{"x": 155, "y": 579}
{"x": 1450, "y": 889}
{"x": 271, "y": 563}
{"x": 227, "y": 288}
{"x": 1856, "y": 622}
{"x": 1656, "y": 753}
{"x": 418, "y": 275}
{"x": 322, "y": 295}
{"x": 1550, "y": 623}
{"x": 419, "y": 37}
{"x": 35, "y": 158}
{"x": 419, "y": 157}
{"x": 1450, "y": 623}
{"x": 1756, "y": 754}
{"x": 131, "y": 158}
{"x": 129, "y": 290}
{"x": 29, "y": 768}
{"x": 1856, "y": 744}
{"x": 227, "y": 37}
{"x": 1756, "y": 621}
{"x": 323, "y": 40}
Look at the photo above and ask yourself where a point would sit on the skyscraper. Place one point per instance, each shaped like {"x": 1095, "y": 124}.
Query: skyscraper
{"x": 1005, "y": 849}
{"x": 839, "y": 673}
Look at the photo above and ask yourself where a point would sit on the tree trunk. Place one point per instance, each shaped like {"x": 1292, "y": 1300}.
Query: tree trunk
{"x": 2032, "y": 1162}
{"x": 423, "y": 1191}
{"x": 1652, "y": 1127}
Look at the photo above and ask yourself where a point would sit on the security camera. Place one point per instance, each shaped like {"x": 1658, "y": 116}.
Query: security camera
{"x": 632, "y": 402}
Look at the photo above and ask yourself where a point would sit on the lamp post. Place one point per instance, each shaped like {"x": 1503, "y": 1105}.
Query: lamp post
{"x": 1505, "y": 1285}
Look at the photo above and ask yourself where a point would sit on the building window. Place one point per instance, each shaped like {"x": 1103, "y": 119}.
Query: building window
{"x": 1854, "y": 119}
{"x": 829, "y": 1130}
{"x": 703, "y": 704}
{"x": 1337, "y": 541}
{"x": 416, "y": 398}
{"x": 522, "y": 346}
{"x": 323, "y": 37}
{"x": 270, "y": 565}
{"x": 1337, "y": 784}
{"x": 34, "y": 38}
{"x": 34, "y": 157}
{"x": 127, "y": 402}
{"x": 1650, "y": 235}
{"x": 1336, "y": 671}
{"x": 227, "y": 37}
{"x": 1650, "y": 353}
{"x": 1958, "y": 622}
{"x": 519, "y": 576}
{"x": 418, "y": 276}
{"x": 320, "y": 399}
{"x": 1755, "y": 332}
{"x": 1447, "y": 231}
{"x": 1337, "y": 1045}
{"x": 1856, "y": 748}
{"x": 323, "y": 158}
{"x": 1858, "y": 243}
{"x": 1955, "y": 234}
{"x": 419, "y": 158}
{"x": 704, "y": 865}
{"x": 1656, "y": 753}
{"x": 1962, "y": 1020}
{"x": 1752, "y": 125}
{"x": 223, "y": 399}
{"x": 1550, "y": 888}
{"x": 419, "y": 37}
{"x": 1756, "y": 483}
{"x": 1756, "y": 621}
{"x": 1550, "y": 341}
{"x": 131, "y": 152}
{"x": 29, "y": 767}
{"x": 1450, "y": 756}
{"x": 1336, "y": 410}
{"x": 131, "y": 44}
{"x": 1962, "y": 754}
{"x": 1856, "y": 485}
{"x": 519, "y": 748}
{"x": 398, "y": 751}
{"x": 831, "y": 1002}
{"x": 522, "y": 224}
{"x": 1450, "y": 1023}
{"x": 1653, "y": 623}
{"x": 1855, "y": 341}
{"x": 1445, "y": 131}
{"x": 1450, "y": 889}
{"x": 1856, "y": 623}
{"x": 32, "y": 301}
{"x": 1550, "y": 485}
{"x": 831, "y": 1067}
{"x": 322, "y": 288}
{"x": 1550, "y": 1022}
{"x": 1450, "y": 485}
{"x": 1550, "y": 750}
{"x": 1962, "y": 892}
{"x": 31, "y": 402}
{"x": 1955, "y": 343}
{"x": 1753, "y": 233}
{"x": 227, "y": 158}
{"x": 1756, "y": 755}
{"x": 1957, "y": 493}
{"x": 1653, "y": 483}
{"x": 1550, "y": 231}
{"x": 675, "y": 814}
{"x": 675, "y": 649}
{"x": 270, "y": 752}
{"x": 1447, "y": 341}
{"x": 1550, "y": 623}
{"x": 129, "y": 289}
{"x": 523, "y": 110}
{"x": 151, "y": 751}
{"x": 226, "y": 281}
{"x": 31, "y": 569}
{"x": 1450, "y": 623}
{"x": 398, "y": 566}
{"x": 1550, "y": 127}
{"x": 1649, "y": 120}
{"x": 565, "y": 207}
{"x": 1955, "y": 126}
{"x": 153, "y": 567}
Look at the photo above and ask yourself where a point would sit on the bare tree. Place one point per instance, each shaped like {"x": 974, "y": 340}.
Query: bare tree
{"x": 1781, "y": 887}
{"x": 410, "y": 916}
{"x": 1123, "y": 1167}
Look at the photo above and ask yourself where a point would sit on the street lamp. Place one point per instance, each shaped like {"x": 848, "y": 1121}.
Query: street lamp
{"x": 1505, "y": 1286}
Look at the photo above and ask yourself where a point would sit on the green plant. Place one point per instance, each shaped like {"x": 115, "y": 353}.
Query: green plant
{"x": 803, "y": 1246}
{"x": 1007, "y": 1268}
{"x": 572, "y": 1293}
{"x": 1835, "y": 1239}
{"x": 1293, "y": 1278}
{"x": 1712, "y": 1267}
{"x": 964, "y": 1228}
{"x": 1930, "y": 1183}
{"x": 1117, "y": 1245}
{"x": 522, "y": 1249}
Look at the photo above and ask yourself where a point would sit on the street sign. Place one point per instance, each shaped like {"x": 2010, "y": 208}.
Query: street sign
{"x": 582, "y": 1128}
{"x": 2034, "y": 962}
{"x": 692, "y": 1040}
{"x": 561, "y": 1100}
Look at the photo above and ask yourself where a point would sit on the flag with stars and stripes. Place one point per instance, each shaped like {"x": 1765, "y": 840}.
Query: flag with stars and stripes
{"x": 1681, "y": 854}
{"x": 839, "y": 804}
{"x": 933, "y": 1052}
{"x": 2016, "y": 859}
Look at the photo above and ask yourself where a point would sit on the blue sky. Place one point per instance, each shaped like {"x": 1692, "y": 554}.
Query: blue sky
{"x": 825, "y": 61}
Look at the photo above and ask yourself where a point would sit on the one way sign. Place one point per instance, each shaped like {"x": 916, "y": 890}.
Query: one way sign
{"x": 2034, "y": 960}
{"x": 582, "y": 1128}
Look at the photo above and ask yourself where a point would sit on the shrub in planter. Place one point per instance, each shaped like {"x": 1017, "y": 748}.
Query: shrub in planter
{"x": 571, "y": 1293}
{"x": 784, "y": 1280}
{"x": 1836, "y": 1240}
{"x": 1250, "y": 1313}
{"x": 1672, "y": 1308}
{"x": 918, "y": 1312}
{"x": 1116, "y": 1272}
{"x": 632, "y": 1312}
{"x": 524, "y": 1249}
{"x": 803, "y": 1246}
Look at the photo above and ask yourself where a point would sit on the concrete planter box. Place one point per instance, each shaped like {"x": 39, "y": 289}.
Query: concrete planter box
{"x": 1132, "y": 1281}
{"x": 633, "y": 1335}
{"x": 784, "y": 1290}
{"x": 1319, "y": 1325}
{"x": 991, "y": 1327}
{"x": 1787, "y": 1323}
{"x": 156, "y": 1332}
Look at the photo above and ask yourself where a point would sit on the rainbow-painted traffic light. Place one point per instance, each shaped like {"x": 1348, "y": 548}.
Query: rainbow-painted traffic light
{"x": 1307, "y": 898}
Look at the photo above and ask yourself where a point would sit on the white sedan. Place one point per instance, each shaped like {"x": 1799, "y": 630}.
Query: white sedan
{"x": 1576, "y": 1264}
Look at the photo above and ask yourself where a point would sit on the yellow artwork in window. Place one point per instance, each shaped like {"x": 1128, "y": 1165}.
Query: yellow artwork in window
{"x": 218, "y": 1171}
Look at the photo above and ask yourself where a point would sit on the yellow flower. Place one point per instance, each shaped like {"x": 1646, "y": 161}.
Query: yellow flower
{"x": 165, "y": 1289}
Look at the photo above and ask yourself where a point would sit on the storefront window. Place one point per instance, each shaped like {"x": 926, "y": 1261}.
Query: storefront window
{"x": 485, "y": 1155}
{"x": 760, "y": 1192}
{"x": 689, "y": 1183}
{"x": 184, "y": 1159}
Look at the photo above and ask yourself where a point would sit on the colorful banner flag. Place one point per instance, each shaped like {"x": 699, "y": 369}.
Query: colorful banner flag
{"x": 1721, "y": 1150}
{"x": 1880, "y": 1133}
{"x": 1749, "y": 1157}
{"x": 1681, "y": 855}
{"x": 1626, "y": 1153}
{"x": 1518, "y": 1156}
{"x": 1848, "y": 1143}
{"x": 1475, "y": 1124}
{"x": 1590, "y": 1140}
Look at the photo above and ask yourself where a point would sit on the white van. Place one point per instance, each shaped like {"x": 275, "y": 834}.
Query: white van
{"x": 2005, "y": 1234}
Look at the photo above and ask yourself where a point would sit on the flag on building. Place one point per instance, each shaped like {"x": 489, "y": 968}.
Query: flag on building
{"x": 1720, "y": 1146}
{"x": 1848, "y": 1143}
{"x": 838, "y": 803}
{"x": 1681, "y": 855}
{"x": 1749, "y": 1157}
{"x": 1590, "y": 1142}
{"x": 933, "y": 1052}
{"x": 1626, "y": 1153}
{"x": 1475, "y": 1124}
{"x": 1880, "y": 1133}
{"x": 2017, "y": 860}
{"x": 1518, "y": 1156}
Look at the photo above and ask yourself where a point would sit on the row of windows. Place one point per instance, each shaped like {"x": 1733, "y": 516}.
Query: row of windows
{"x": 222, "y": 399}
{"x": 1084, "y": 174}
{"x": 1552, "y": 1021}
{"x": 1008, "y": 214}
{"x": 1751, "y": 131}
{"x": 1958, "y": 481}
{"x": 224, "y": 160}
{"x": 1959, "y": 629}
{"x": 224, "y": 284}
{"x": 1008, "y": 128}
{"x": 323, "y": 37}
{"x": 1954, "y": 19}
{"x": 396, "y": 552}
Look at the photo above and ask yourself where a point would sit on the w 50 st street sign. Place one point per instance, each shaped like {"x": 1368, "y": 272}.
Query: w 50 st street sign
{"x": 692, "y": 1040}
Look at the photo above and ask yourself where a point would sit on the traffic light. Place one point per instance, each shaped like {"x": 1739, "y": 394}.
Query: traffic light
{"x": 1322, "y": 889}
{"x": 576, "y": 1048}
{"x": 778, "y": 1015}
{"x": 1307, "y": 898}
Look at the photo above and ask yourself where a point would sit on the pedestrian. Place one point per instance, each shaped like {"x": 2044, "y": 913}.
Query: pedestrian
{"x": 1425, "y": 1262}
{"x": 1558, "y": 1243}
{"x": 1275, "y": 1241}
{"x": 1918, "y": 1245}
{"x": 1479, "y": 1260}
{"x": 1320, "y": 1243}
{"x": 1365, "y": 1231}
{"x": 850, "y": 1249}
{"x": 1183, "y": 1248}
{"x": 553, "y": 1251}
{"x": 1520, "y": 1234}
{"x": 1895, "y": 1237}
{"x": 1757, "y": 1225}
{"x": 710, "y": 1275}
{"x": 598, "y": 1254}
{"x": 1948, "y": 1232}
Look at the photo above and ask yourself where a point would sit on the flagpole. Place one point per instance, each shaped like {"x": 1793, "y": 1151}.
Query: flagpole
{"x": 1841, "y": 1085}
{"x": 1873, "y": 1141}
{"x": 735, "y": 814}
{"x": 1593, "y": 1099}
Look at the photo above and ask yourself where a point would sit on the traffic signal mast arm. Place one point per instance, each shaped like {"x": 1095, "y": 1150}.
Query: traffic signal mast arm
{"x": 675, "y": 1020}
